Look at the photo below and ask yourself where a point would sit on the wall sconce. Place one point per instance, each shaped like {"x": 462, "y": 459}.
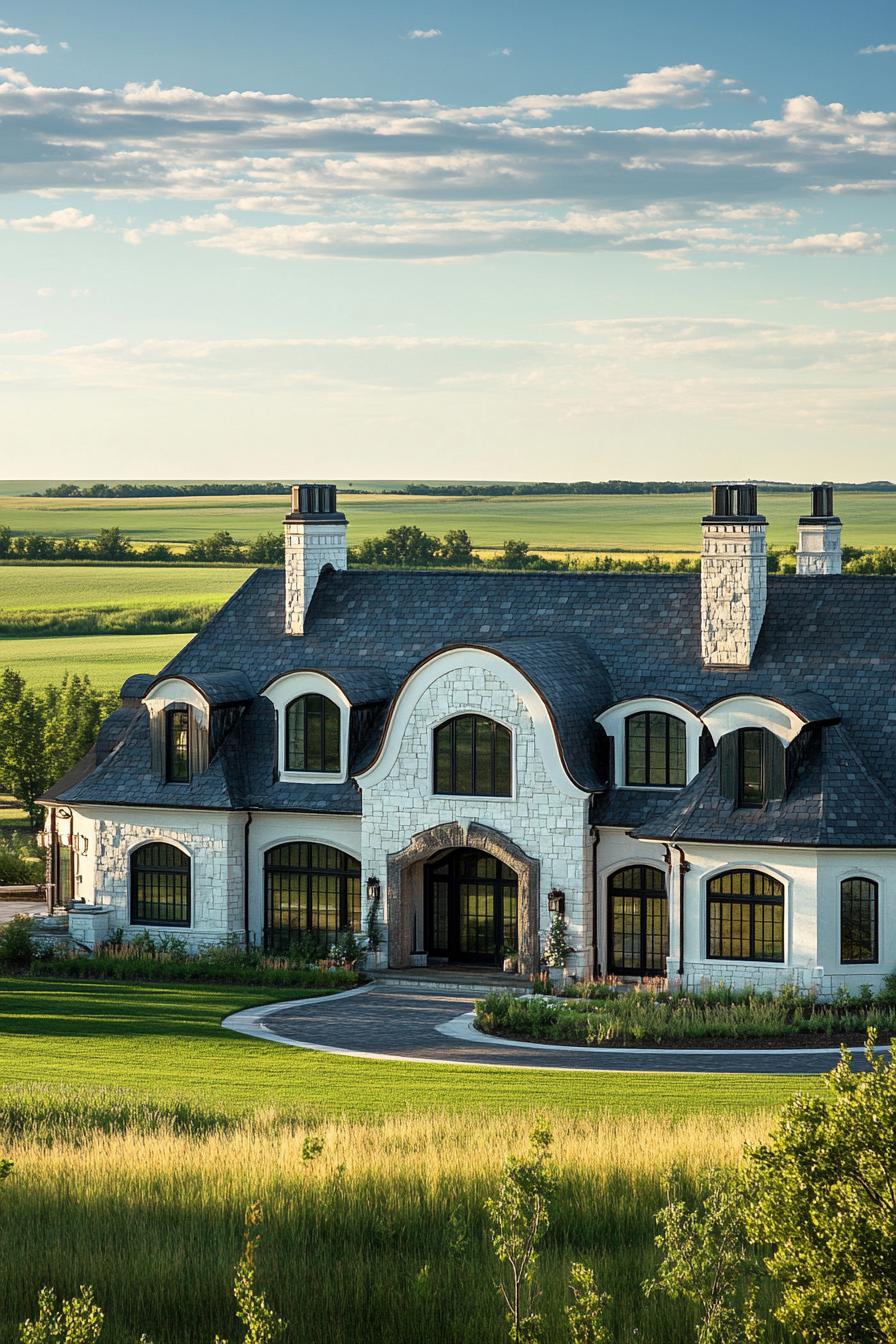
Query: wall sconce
{"x": 82, "y": 844}
{"x": 556, "y": 902}
{"x": 373, "y": 890}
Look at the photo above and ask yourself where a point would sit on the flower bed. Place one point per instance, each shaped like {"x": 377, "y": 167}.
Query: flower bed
{"x": 716, "y": 1018}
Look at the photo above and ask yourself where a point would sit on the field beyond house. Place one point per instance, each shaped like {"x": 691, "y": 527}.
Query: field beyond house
{"x": 140, "y": 1131}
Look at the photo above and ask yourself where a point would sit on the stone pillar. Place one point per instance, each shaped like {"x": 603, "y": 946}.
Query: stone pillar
{"x": 733, "y": 577}
{"x": 315, "y": 539}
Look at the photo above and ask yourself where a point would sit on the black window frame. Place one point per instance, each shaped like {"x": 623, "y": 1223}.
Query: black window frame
{"x": 752, "y": 901}
{"x": 873, "y": 899}
{"x": 139, "y": 868}
{"x": 173, "y": 715}
{"x": 745, "y": 797}
{"x": 328, "y": 709}
{"x": 447, "y": 733}
{"x": 649, "y": 783}
{"x": 299, "y": 864}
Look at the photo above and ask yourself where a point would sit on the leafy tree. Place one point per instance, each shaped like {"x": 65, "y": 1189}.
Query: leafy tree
{"x": 823, "y": 1196}
{"x": 23, "y": 763}
{"x": 704, "y": 1252}
{"x": 70, "y": 548}
{"x": 5, "y": 541}
{"x": 518, "y": 1219}
{"x": 515, "y": 555}
{"x": 401, "y": 547}
{"x": 267, "y": 549}
{"x": 585, "y": 1314}
{"x": 457, "y": 548}
{"x": 158, "y": 551}
{"x": 218, "y": 546}
{"x": 112, "y": 544}
{"x": 33, "y": 546}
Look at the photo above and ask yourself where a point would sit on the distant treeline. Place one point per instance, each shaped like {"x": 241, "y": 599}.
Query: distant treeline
{"x": 401, "y": 548}
{"x": 163, "y": 490}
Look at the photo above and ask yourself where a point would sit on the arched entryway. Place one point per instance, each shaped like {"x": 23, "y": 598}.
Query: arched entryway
{"x": 471, "y": 908}
{"x": 408, "y": 877}
{"x": 637, "y": 921}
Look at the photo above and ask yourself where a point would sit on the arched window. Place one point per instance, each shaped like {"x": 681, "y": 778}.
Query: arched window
{"x": 745, "y": 917}
{"x": 638, "y": 913}
{"x": 160, "y": 885}
{"x": 655, "y": 750}
{"x": 752, "y": 767}
{"x": 312, "y": 735}
{"x": 471, "y": 755}
{"x": 309, "y": 888}
{"x": 858, "y": 921}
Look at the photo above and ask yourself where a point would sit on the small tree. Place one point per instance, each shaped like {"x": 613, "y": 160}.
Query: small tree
{"x": 262, "y": 1324}
{"x": 705, "y": 1251}
{"x": 585, "y": 1314}
{"x": 823, "y": 1196}
{"x": 457, "y": 548}
{"x": 518, "y": 1218}
{"x": 77, "y": 1320}
{"x": 557, "y": 946}
{"x": 112, "y": 544}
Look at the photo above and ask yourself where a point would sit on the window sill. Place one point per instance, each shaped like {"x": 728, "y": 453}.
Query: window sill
{"x": 313, "y": 777}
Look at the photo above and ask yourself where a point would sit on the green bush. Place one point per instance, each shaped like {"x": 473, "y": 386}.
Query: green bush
{"x": 17, "y": 949}
{"x": 658, "y": 1017}
{"x": 166, "y": 960}
{"x": 17, "y": 866}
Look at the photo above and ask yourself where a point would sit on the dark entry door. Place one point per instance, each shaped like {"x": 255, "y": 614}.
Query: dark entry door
{"x": 638, "y": 935}
{"x": 471, "y": 907}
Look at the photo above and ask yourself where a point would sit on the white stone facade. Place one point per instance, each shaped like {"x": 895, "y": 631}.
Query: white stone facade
{"x": 818, "y": 549}
{"x": 733, "y": 588}
{"x": 309, "y": 547}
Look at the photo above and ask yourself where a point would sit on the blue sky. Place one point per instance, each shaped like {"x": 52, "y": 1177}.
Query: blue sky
{"x": 468, "y": 240}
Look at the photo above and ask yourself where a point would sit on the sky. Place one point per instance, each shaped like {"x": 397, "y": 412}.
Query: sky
{"x": 485, "y": 239}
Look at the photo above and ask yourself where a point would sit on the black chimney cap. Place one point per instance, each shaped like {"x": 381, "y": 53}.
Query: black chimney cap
{"x": 315, "y": 503}
{"x": 734, "y": 501}
{"x": 822, "y": 505}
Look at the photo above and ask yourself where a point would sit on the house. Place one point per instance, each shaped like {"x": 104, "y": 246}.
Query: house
{"x": 700, "y": 770}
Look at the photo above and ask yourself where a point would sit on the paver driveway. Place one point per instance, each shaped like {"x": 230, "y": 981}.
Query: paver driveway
{"x": 401, "y": 1023}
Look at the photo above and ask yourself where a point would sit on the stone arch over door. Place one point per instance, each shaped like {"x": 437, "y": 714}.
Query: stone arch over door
{"x": 404, "y": 884}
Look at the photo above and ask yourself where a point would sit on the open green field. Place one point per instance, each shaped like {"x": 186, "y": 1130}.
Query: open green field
{"x": 58, "y": 587}
{"x": 636, "y": 523}
{"x": 107, "y": 659}
{"x": 140, "y": 1132}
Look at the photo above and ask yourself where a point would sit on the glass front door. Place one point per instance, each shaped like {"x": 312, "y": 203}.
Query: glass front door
{"x": 638, "y": 935}
{"x": 471, "y": 908}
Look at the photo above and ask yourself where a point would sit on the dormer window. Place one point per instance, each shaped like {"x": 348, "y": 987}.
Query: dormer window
{"x": 752, "y": 767}
{"x": 655, "y": 751}
{"x": 177, "y": 744}
{"x": 313, "y": 727}
{"x": 472, "y": 757}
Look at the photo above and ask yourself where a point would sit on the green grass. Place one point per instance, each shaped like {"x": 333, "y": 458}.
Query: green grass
{"x": 140, "y": 1190}
{"x": 57, "y": 587}
{"x": 107, "y": 659}
{"x": 166, "y": 1042}
{"x": 590, "y": 522}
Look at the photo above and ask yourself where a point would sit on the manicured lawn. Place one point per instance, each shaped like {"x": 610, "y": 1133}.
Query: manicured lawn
{"x": 166, "y": 1043}
{"x": 107, "y": 659}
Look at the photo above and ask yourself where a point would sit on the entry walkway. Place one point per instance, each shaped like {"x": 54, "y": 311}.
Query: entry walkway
{"x": 382, "y": 1021}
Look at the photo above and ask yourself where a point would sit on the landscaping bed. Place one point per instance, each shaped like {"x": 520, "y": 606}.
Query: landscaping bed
{"x": 717, "y": 1019}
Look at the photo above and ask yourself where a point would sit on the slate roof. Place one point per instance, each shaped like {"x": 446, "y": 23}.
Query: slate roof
{"x": 219, "y": 687}
{"x": 588, "y": 640}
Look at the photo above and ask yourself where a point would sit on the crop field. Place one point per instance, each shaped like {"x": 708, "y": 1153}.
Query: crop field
{"x": 140, "y": 1131}
{"x": 59, "y": 587}
{"x": 551, "y": 523}
{"x": 107, "y": 659}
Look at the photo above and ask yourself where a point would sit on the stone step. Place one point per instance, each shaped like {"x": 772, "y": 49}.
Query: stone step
{"x": 452, "y": 981}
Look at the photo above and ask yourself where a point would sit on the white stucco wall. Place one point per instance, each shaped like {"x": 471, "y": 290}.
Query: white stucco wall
{"x": 547, "y": 821}
{"x": 279, "y": 828}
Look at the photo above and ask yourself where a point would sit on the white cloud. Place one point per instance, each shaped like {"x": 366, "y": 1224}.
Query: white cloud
{"x": 885, "y": 304}
{"x": 56, "y": 220}
{"x": 671, "y": 85}
{"x": 7, "y": 30}
{"x": 24, "y": 49}
{"x": 877, "y": 50}
{"x": 422, "y": 34}
{"x": 836, "y": 243}
{"x": 66, "y": 46}
{"x": 503, "y": 51}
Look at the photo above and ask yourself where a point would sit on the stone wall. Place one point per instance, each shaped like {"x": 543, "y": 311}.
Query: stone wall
{"x": 819, "y": 550}
{"x": 545, "y": 824}
{"x": 309, "y": 547}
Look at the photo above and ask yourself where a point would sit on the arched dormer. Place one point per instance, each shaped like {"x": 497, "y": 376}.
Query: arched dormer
{"x": 189, "y": 717}
{"x": 313, "y": 715}
{"x": 655, "y": 741}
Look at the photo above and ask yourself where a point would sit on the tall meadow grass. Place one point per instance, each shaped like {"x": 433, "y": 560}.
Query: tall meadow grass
{"x": 381, "y": 1237}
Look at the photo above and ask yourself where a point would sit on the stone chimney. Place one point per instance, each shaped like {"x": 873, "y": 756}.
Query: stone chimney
{"x": 818, "y": 549}
{"x": 733, "y": 577}
{"x": 315, "y": 539}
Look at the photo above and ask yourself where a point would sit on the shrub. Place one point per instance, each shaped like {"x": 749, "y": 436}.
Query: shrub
{"x": 19, "y": 867}
{"x": 17, "y": 949}
{"x": 167, "y": 960}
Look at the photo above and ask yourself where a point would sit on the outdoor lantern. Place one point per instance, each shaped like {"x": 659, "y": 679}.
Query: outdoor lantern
{"x": 556, "y": 902}
{"x": 373, "y": 889}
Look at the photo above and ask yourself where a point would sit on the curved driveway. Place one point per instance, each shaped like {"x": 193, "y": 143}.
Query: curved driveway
{"x": 391, "y": 1022}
